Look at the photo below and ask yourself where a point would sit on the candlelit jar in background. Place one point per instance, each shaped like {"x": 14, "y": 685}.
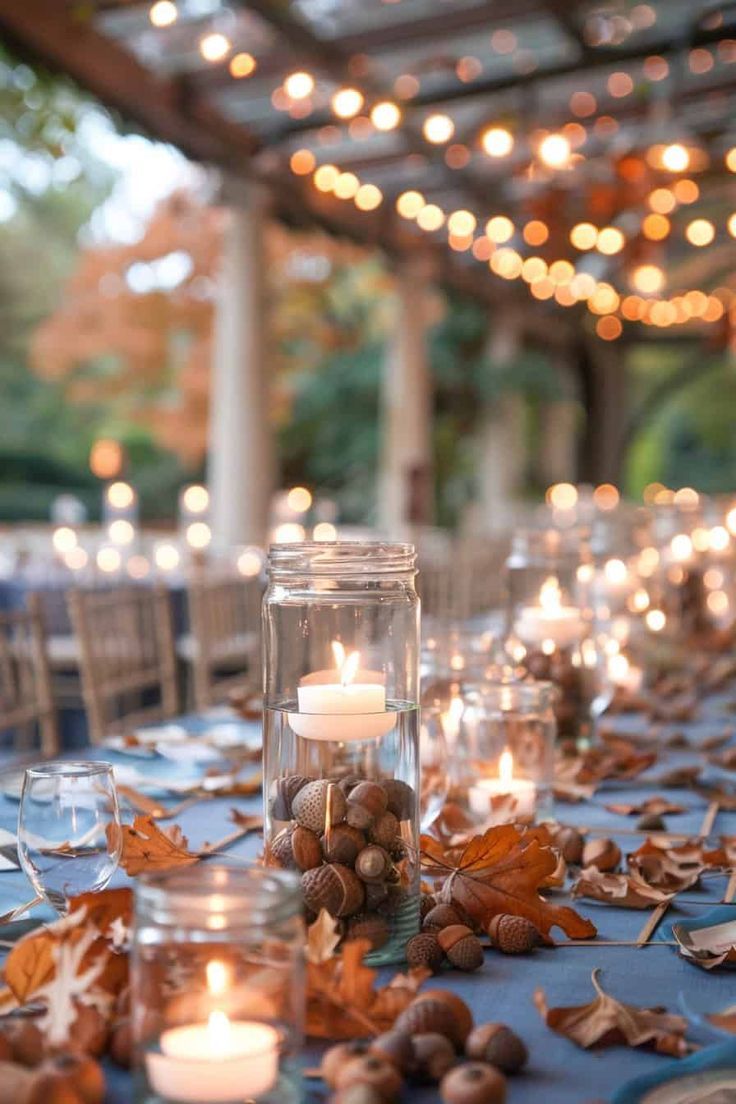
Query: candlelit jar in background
{"x": 504, "y": 769}
{"x": 341, "y": 733}
{"x": 551, "y": 630}
{"x": 217, "y": 986}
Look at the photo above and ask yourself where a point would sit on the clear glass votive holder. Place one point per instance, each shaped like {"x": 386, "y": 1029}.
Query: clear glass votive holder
{"x": 504, "y": 769}
{"x": 217, "y": 986}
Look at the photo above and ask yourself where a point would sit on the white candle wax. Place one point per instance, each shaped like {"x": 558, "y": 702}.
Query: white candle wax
{"x": 332, "y": 706}
{"x": 550, "y": 620}
{"x": 215, "y": 1063}
{"x": 522, "y": 791}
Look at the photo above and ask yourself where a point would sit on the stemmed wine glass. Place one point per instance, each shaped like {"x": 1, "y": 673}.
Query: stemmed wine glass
{"x": 69, "y": 837}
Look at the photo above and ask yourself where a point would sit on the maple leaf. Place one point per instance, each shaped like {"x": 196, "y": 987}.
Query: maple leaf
{"x": 147, "y": 847}
{"x": 72, "y": 985}
{"x": 606, "y": 1021}
{"x": 653, "y": 806}
{"x": 622, "y": 890}
{"x": 500, "y": 872}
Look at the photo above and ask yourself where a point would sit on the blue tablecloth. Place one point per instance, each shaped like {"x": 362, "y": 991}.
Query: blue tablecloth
{"x": 558, "y": 1072}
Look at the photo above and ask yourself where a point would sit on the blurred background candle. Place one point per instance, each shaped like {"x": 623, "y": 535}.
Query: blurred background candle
{"x": 487, "y": 790}
{"x": 549, "y": 620}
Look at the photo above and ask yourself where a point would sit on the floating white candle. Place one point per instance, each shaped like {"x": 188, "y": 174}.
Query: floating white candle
{"x": 550, "y": 620}
{"x": 521, "y": 790}
{"x": 342, "y": 709}
{"x": 215, "y": 1063}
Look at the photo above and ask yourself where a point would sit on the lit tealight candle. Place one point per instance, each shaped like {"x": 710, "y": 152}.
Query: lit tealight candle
{"x": 215, "y": 1063}
{"x": 523, "y": 792}
{"x": 341, "y": 708}
{"x": 550, "y": 621}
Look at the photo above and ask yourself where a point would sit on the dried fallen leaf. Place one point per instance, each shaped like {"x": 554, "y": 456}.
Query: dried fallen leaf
{"x": 618, "y": 760}
{"x": 148, "y": 847}
{"x": 653, "y": 806}
{"x": 726, "y": 760}
{"x": 252, "y": 822}
{"x": 722, "y": 856}
{"x": 501, "y": 872}
{"x": 342, "y": 1001}
{"x": 726, "y": 1019}
{"x": 709, "y": 946}
{"x": 671, "y": 869}
{"x": 606, "y": 1021}
{"x": 622, "y": 890}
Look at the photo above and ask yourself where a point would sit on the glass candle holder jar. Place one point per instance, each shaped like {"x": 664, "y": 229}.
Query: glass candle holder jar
{"x": 217, "y": 986}
{"x": 504, "y": 770}
{"x": 341, "y": 762}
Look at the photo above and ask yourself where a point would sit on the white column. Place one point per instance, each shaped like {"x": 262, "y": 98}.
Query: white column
{"x": 405, "y": 485}
{"x": 502, "y": 439}
{"x": 240, "y": 463}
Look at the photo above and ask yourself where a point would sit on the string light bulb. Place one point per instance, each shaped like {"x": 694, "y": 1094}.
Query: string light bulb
{"x": 385, "y": 115}
{"x": 675, "y": 157}
{"x": 368, "y": 197}
{"x": 610, "y": 241}
{"x": 438, "y": 129}
{"x": 347, "y": 102}
{"x": 554, "y": 151}
{"x": 163, "y": 13}
{"x": 409, "y": 204}
{"x": 299, "y": 85}
{"x": 700, "y": 232}
{"x": 647, "y": 279}
{"x": 497, "y": 141}
{"x": 242, "y": 65}
{"x": 214, "y": 46}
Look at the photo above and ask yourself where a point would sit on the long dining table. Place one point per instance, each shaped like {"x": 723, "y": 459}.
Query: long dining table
{"x": 558, "y": 1072}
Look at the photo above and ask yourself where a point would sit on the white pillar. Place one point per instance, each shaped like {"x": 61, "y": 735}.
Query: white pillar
{"x": 502, "y": 439}
{"x": 240, "y": 463}
{"x": 405, "y": 485}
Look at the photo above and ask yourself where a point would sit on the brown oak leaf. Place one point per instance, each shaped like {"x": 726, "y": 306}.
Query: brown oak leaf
{"x": 709, "y": 946}
{"x": 653, "y": 806}
{"x": 148, "y": 847}
{"x": 622, "y": 890}
{"x": 724, "y": 855}
{"x": 342, "y": 1000}
{"x": 671, "y": 869}
{"x": 501, "y": 872}
{"x": 606, "y": 1021}
{"x": 253, "y": 822}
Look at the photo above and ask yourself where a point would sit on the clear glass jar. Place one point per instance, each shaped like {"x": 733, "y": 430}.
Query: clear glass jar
{"x": 217, "y": 986}
{"x": 551, "y": 626}
{"x": 504, "y": 768}
{"x": 341, "y": 762}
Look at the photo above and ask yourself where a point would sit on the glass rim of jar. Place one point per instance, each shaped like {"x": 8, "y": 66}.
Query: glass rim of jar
{"x": 342, "y": 559}
{"x": 228, "y": 896}
{"x": 73, "y": 768}
{"x": 525, "y": 694}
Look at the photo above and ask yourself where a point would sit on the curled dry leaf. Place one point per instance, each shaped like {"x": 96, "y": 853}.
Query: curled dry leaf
{"x": 725, "y": 1020}
{"x": 606, "y": 1021}
{"x": 726, "y": 760}
{"x": 725, "y": 796}
{"x": 678, "y": 778}
{"x": 253, "y": 822}
{"x": 622, "y": 890}
{"x": 671, "y": 869}
{"x": 342, "y": 1000}
{"x": 724, "y": 855}
{"x": 501, "y": 872}
{"x": 148, "y": 847}
{"x": 708, "y": 946}
{"x": 618, "y": 760}
{"x": 653, "y": 806}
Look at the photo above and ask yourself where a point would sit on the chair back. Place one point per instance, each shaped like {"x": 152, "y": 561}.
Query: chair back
{"x": 126, "y": 657}
{"x": 26, "y": 698}
{"x": 225, "y": 636}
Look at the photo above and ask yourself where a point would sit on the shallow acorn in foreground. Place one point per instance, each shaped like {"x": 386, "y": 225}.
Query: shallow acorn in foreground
{"x": 461, "y": 946}
{"x": 333, "y": 887}
{"x": 512, "y": 934}
{"x": 434, "y": 1055}
{"x": 498, "y": 1044}
{"x": 473, "y": 1083}
{"x": 369, "y": 926}
{"x": 569, "y": 842}
{"x": 461, "y": 1016}
{"x": 396, "y": 1047}
{"x": 378, "y": 1073}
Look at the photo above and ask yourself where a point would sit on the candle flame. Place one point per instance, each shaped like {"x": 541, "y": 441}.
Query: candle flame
{"x": 349, "y": 669}
{"x": 550, "y": 595}
{"x": 506, "y": 767}
{"x": 347, "y": 665}
{"x": 219, "y": 1034}
{"x": 218, "y": 977}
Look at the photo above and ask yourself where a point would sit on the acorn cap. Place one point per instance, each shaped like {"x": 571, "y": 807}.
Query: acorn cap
{"x": 310, "y": 805}
{"x": 333, "y": 887}
{"x": 279, "y": 850}
{"x": 569, "y": 842}
{"x": 461, "y": 946}
{"x": 512, "y": 934}
{"x": 424, "y": 950}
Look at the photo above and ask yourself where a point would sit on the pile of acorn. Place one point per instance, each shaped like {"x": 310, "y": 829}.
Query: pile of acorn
{"x": 571, "y": 681}
{"x": 432, "y": 1041}
{"x": 352, "y": 840}
{"x": 449, "y": 937}
{"x": 26, "y": 1078}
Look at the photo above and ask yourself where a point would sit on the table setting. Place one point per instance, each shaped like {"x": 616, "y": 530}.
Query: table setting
{"x": 353, "y": 901}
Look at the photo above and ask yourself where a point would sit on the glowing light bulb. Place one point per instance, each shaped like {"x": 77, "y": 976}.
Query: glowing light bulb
{"x": 347, "y": 102}
{"x": 497, "y": 141}
{"x": 385, "y": 115}
{"x": 438, "y": 129}
{"x": 163, "y": 13}
{"x": 214, "y": 46}
{"x": 299, "y": 85}
{"x": 648, "y": 279}
{"x": 242, "y": 65}
{"x": 368, "y": 197}
{"x": 700, "y": 232}
{"x": 555, "y": 151}
{"x": 675, "y": 157}
{"x": 610, "y": 241}
{"x": 409, "y": 204}
{"x": 299, "y": 499}
{"x": 431, "y": 217}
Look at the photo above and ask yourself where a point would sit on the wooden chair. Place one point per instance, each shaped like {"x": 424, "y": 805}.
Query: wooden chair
{"x": 26, "y": 699}
{"x": 126, "y": 657}
{"x": 223, "y": 644}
